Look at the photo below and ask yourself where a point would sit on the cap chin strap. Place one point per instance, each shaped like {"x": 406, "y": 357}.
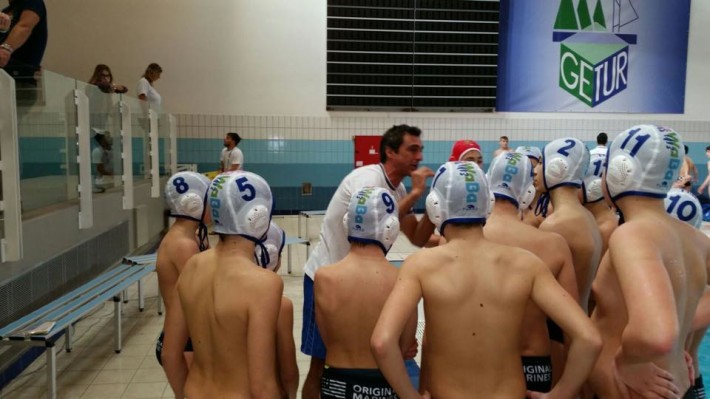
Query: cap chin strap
{"x": 542, "y": 204}
{"x": 264, "y": 259}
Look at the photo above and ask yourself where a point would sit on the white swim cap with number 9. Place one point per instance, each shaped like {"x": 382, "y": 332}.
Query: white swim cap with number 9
{"x": 372, "y": 218}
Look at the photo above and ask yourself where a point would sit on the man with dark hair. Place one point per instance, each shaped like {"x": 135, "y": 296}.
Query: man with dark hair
{"x": 503, "y": 143}
{"x": 232, "y": 157}
{"x": 599, "y": 152}
{"x": 401, "y": 151}
{"x": 23, "y": 39}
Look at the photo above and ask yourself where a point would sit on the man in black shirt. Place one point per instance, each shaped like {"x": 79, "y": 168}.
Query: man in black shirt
{"x": 22, "y": 45}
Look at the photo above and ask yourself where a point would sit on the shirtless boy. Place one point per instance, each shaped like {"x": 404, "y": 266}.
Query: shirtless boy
{"x": 651, "y": 278}
{"x": 564, "y": 164}
{"x": 350, "y": 295}
{"x": 185, "y": 196}
{"x": 474, "y": 309}
{"x": 230, "y": 304}
{"x": 510, "y": 176}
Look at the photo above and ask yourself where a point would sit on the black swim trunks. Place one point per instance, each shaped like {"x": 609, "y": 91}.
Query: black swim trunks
{"x": 159, "y": 347}
{"x": 355, "y": 383}
{"x": 699, "y": 387}
{"x": 555, "y": 332}
{"x": 538, "y": 373}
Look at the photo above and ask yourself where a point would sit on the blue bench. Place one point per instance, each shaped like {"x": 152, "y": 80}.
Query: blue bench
{"x": 60, "y": 315}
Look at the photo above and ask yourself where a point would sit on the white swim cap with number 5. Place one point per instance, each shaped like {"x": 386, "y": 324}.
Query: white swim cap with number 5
{"x": 241, "y": 204}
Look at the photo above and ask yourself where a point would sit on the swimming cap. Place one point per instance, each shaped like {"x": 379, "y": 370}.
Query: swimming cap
{"x": 530, "y": 152}
{"x": 684, "y": 206}
{"x": 644, "y": 160}
{"x": 510, "y": 176}
{"x": 372, "y": 218}
{"x": 528, "y": 197}
{"x": 592, "y": 184}
{"x": 459, "y": 194}
{"x": 462, "y": 147}
{"x": 273, "y": 244}
{"x": 241, "y": 204}
{"x": 564, "y": 163}
{"x": 185, "y": 194}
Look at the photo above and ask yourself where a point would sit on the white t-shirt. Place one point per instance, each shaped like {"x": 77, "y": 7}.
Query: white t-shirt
{"x": 101, "y": 156}
{"x": 598, "y": 152}
{"x": 151, "y": 94}
{"x": 334, "y": 245}
{"x": 232, "y": 157}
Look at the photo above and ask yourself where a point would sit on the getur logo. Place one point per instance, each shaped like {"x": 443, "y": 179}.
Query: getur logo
{"x": 594, "y": 62}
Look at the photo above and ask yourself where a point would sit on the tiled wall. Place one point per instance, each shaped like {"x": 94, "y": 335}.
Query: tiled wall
{"x": 288, "y": 151}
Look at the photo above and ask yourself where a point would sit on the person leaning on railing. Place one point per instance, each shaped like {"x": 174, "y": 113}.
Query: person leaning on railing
{"x": 103, "y": 78}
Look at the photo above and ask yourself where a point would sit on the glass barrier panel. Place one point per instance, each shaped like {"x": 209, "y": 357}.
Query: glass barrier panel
{"x": 164, "y": 143}
{"x": 140, "y": 124}
{"x": 46, "y": 124}
{"x": 106, "y": 144}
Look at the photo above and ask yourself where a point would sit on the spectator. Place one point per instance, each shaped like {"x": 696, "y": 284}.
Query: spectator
{"x": 103, "y": 78}
{"x": 23, "y": 39}
{"x": 232, "y": 157}
{"x": 101, "y": 159}
{"x": 503, "y": 146}
{"x": 146, "y": 90}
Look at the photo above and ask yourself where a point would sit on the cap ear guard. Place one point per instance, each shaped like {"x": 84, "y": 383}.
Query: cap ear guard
{"x": 273, "y": 245}
{"x": 192, "y": 205}
{"x": 433, "y": 209}
{"x": 528, "y": 196}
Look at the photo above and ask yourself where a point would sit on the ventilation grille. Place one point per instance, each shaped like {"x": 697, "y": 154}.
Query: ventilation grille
{"x": 412, "y": 55}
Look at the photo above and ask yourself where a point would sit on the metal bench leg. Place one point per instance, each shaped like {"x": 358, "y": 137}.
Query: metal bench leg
{"x": 308, "y": 236}
{"x": 125, "y": 295}
{"x": 68, "y": 332}
{"x": 51, "y": 370}
{"x": 141, "y": 303}
{"x": 299, "y": 225}
{"x": 288, "y": 254}
{"x": 160, "y": 305}
{"x": 117, "y": 306}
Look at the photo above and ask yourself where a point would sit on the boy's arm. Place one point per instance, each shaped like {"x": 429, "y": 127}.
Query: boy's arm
{"x": 262, "y": 319}
{"x": 585, "y": 341}
{"x": 286, "y": 348}
{"x": 395, "y": 315}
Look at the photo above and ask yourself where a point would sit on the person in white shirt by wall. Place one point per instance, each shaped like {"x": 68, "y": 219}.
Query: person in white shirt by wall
{"x": 232, "y": 157}
{"x": 146, "y": 90}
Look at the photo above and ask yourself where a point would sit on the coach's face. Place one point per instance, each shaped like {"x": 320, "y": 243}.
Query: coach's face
{"x": 410, "y": 153}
